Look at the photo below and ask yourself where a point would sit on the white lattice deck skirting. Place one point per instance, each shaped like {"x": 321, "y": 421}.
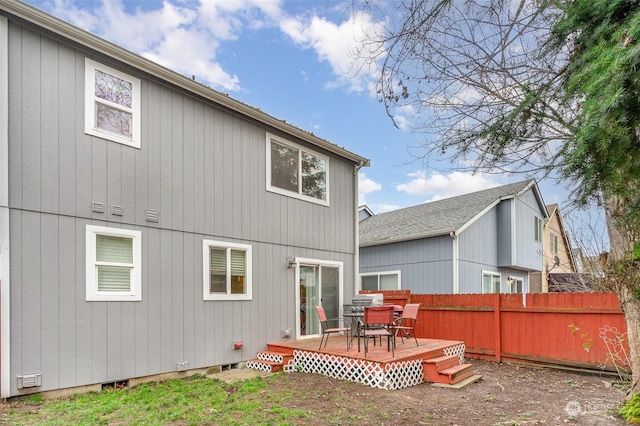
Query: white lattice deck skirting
{"x": 456, "y": 350}
{"x": 391, "y": 376}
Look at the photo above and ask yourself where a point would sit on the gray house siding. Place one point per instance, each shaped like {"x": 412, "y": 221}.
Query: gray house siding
{"x": 528, "y": 251}
{"x": 426, "y": 265}
{"x": 203, "y": 169}
{"x": 478, "y": 251}
{"x": 488, "y": 231}
{"x": 504, "y": 229}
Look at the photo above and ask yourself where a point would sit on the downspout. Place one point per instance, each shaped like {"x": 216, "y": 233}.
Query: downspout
{"x": 5, "y": 329}
{"x": 356, "y": 269}
{"x": 455, "y": 262}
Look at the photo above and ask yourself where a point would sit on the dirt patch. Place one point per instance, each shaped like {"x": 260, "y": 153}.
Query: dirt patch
{"x": 506, "y": 395}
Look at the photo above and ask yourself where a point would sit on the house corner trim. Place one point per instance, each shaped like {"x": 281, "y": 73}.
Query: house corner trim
{"x": 5, "y": 329}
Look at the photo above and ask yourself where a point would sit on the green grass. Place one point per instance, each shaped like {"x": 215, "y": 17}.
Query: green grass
{"x": 192, "y": 401}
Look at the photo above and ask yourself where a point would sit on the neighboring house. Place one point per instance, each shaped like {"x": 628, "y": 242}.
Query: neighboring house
{"x": 149, "y": 224}
{"x": 364, "y": 212}
{"x": 484, "y": 242}
{"x": 557, "y": 253}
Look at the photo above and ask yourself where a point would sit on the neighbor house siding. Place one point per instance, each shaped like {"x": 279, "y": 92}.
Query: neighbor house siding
{"x": 426, "y": 265}
{"x": 203, "y": 170}
{"x": 528, "y": 251}
{"x": 505, "y": 231}
{"x": 478, "y": 251}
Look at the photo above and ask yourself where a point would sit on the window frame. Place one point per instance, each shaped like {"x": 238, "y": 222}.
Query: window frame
{"x": 554, "y": 243}
{"x": 538, "y": 229}
{"x": 299, "y": 195}
{"x": 90, "y": 127}
{"x": 92, "y": 293}
{"x": 492, "y": 275}
{"x": 397, "y": 273}
{"x": 206, "y": 273}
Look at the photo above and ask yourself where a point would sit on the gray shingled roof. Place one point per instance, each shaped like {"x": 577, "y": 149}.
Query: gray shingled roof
{"x": 435, "y": 218}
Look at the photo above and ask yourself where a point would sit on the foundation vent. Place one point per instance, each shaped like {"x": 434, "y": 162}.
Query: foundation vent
{"x": 29, "y": 380}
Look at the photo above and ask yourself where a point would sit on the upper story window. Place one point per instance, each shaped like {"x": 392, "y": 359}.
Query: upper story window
{"x": 380, "y": 281}
{"x": 538, "y": 229}
{"x": 112, "y": 104}
{"x": 113, "y": 264}
{"x": 226, "y": 271}
{"x": 296, "y": 172}
{"x": 553, "y": 243}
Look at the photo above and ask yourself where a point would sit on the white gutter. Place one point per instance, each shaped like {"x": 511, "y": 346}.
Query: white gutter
{"x": 5, "y": 297}
{"x": 356, "y": 278}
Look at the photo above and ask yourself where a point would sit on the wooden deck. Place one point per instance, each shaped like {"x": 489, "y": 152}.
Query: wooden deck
{"x": 433, "y": 360}
{"x": 426, "y": 349}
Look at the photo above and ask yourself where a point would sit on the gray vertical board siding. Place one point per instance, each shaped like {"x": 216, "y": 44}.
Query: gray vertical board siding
{"x": 49, "y": 294}
{"x": 178, "y": 307}
{"x": 478, "y": 251}
{"x": 70, "y": 121}
{"x": 49, "y": 125}
{"x": 113, "y": 178}
{"x": 82, "y": 318}
{"x": 177, "y": 165}
{"x": 166, "y": 305}
{"x": 31, "y": 122}
{"x": 150, "y": 155}
{"x": 188, "y": 177}
{"x": 166, "y": 161}
{"x": 199, "y": 168}
{"x": 150, "y": 343}
{"x": 68, "y": 287}
{"x": 504, "y": 221}
{"x": 426, "y": 264}
{"x": 17, "y": 276}
{"x": 84, "y": 195}
{"x": 31, "y": 301}
{"x": 98, "y": 172}
{"x": 204, "y": 170}
{"x": 15, "y": 110}
{"x": 528, "y": 251}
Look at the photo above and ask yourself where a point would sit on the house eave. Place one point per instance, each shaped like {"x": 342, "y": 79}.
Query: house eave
{"x": 408, "y": 238}
{"x": 61, "y": 28}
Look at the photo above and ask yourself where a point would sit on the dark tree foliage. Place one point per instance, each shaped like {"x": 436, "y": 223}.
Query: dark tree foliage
{"x": 603, "y": 81}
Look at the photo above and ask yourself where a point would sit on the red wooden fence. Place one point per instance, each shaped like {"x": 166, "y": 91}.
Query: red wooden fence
{"x": 554, "y": 328}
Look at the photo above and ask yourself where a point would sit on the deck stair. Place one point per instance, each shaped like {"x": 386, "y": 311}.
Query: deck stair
{"x": 446, "y": 369}
{"x": 270, "y": 361}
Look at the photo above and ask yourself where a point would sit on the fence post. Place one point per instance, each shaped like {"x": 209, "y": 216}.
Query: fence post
{"x": 497, "y": 327}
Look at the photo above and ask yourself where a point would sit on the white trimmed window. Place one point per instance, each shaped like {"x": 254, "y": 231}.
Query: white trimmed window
{"x": 113, "y": 262}
{"x": 553, "y": 243}
{"x": 112, "y": 104}
{"x": 538, "y": 229}
{"x": 490, "y": 282}
{"x": 380, "y": 281}
{"x": 226, "y": 270}
{"x": 297, "y": 172}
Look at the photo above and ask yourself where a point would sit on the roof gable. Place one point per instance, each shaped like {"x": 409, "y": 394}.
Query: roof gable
{"x": 438, "y": 217}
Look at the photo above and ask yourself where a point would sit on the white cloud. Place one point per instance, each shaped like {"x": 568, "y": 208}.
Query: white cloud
{"x": 186, "y": 35}
{"x": 438, "y": 186}
{"x": 338, "y": 45}
{"x": 366, "y": 186}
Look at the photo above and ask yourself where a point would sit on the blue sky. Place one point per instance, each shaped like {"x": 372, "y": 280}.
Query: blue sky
{"x": 294, "y": 60}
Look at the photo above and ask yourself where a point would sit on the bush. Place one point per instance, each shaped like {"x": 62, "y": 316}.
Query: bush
{"x": 631, "y": 410}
